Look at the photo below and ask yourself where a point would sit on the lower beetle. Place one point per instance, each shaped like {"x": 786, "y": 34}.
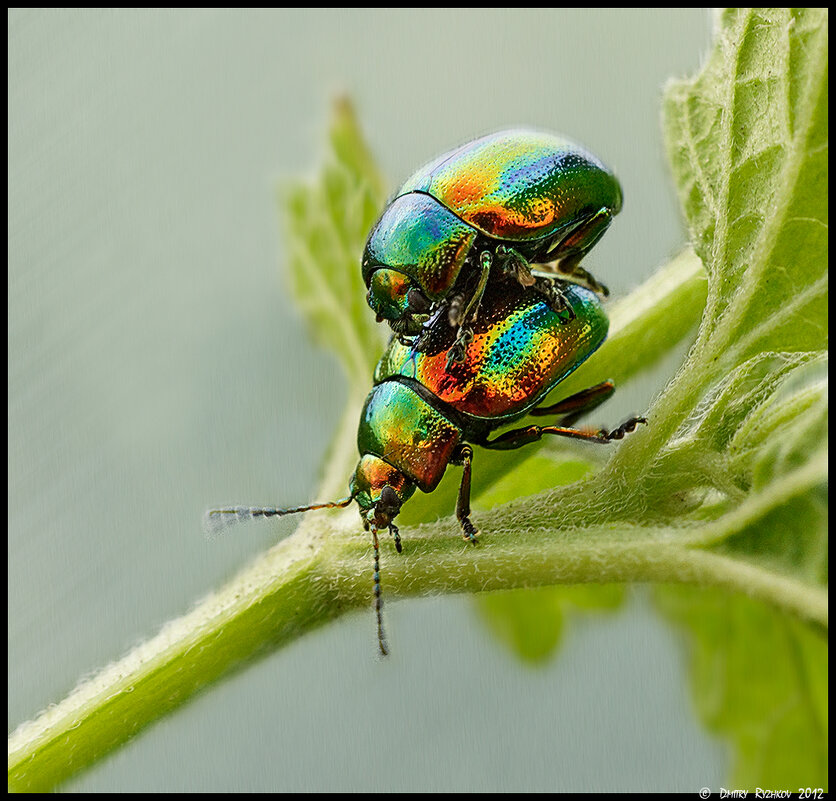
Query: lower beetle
{"x": 424, "y": 413}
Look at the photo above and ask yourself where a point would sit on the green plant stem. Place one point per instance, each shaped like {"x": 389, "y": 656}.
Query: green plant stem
{"x": 323, "y": 571}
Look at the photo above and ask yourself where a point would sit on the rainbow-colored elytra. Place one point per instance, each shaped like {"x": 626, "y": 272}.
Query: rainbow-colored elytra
{"x": 519, "y": 184}
{"x": 475, "y": 263}
{"x": 521, "y": 349}
{"x": 491, "y": 207}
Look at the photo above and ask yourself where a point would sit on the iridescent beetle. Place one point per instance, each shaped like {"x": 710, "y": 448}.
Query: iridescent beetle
{"x": 423, "y": 414}
{"x": 487, "y": 210}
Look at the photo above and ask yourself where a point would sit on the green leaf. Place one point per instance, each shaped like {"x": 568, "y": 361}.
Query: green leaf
{"x": 747, "y": 140}
{"x": 748, "y": 143}
{"x": 760, "y": 229}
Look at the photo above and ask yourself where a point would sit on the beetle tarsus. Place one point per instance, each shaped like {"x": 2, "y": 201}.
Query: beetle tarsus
{"x": 627, "y": 427}
{"x": 469, "y": 531}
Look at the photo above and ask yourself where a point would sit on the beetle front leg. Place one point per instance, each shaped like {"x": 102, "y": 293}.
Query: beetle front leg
{"x": 395, "y": 532}
{"x": 463, "y": 455}
{"x": 463, "y": 318}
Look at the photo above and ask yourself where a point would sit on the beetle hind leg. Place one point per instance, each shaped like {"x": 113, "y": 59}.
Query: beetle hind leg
{"x": 570, "y": 267}
{"x": 570, "y": 409}
{"x": 569, "y": 252}
{"x": 577, "y": 405}
{"x": 524, "y": 436}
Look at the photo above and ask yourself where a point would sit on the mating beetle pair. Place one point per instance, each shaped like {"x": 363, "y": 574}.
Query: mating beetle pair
{"x": 480, "y": 338}
{"x": 484, "y": 212}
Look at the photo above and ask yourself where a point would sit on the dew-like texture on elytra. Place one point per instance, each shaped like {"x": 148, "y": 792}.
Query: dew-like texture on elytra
{"x": 520, "y": 350}
{"x": 405, "y": 431}
{"x": 519, "y": 185}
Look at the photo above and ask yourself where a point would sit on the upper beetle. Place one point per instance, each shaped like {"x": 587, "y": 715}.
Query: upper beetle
{"x": 491, "y": 208}
{"x": 423, "y": 414}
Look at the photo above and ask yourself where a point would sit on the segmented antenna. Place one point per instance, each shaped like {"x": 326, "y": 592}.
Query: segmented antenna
{"x": 378, "y": 601}
{"x": 217, "y": 520}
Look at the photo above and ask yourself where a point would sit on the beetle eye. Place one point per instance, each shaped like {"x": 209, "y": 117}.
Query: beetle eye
{"x": 416, "y": 301}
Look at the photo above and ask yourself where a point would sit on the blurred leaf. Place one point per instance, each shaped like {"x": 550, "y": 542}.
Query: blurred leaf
{"x": 760, "y": 681}
{"x": 531, "y": 621}
{"x": 326, "y": 224}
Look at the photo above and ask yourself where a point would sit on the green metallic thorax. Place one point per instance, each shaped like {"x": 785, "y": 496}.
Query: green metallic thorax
{"x": 401, "y": 428}
{"x": 422, "y": 240}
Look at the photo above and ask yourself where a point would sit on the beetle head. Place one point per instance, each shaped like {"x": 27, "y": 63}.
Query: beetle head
{"x": 380, "y": 490}
{"x": 385, "y": 510}
{"x": 394, "y": 297}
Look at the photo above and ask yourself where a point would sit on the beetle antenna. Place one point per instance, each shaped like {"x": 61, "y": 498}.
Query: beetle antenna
{"x": 378, "y": 600}
{"x": 217, "y": 520}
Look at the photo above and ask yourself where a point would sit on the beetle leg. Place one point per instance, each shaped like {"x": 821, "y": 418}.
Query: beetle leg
{"x": 523, "y": 436}
{"x": 568, "y": 253}
{"x": 456, "y": 354}
{"x": 454, "y": 310}
{"x": 395, "y": 532}
{"x": 485, "y": 262}
{"x": 514, "y": 263}
{"x": 465, "y": 333}
{"x": 569, "y": 266}
{"x": 456, "y": 315}
{"x": 555, "y": 297}
{"x": 578, "y": 404}
{"x": 464, "y": 456}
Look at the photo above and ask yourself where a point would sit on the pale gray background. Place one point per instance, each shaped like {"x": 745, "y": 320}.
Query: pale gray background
{"x": 156, "y": 368}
